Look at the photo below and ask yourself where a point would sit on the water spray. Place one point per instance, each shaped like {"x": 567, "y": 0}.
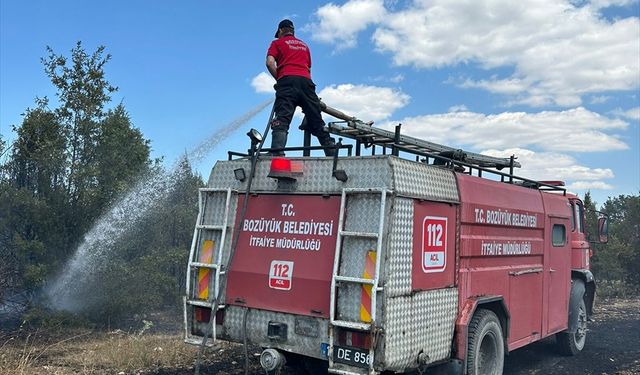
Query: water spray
{"x": 64, "y": 291}
{"x": 255, "y": 153}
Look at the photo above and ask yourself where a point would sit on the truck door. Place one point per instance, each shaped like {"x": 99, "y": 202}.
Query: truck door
{"x": 558, "y": 274}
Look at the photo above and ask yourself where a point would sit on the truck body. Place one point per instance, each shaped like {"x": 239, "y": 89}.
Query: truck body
{"x": 396, "y": 267}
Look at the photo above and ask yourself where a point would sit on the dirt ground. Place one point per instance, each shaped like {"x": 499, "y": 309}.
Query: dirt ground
{"x": 613, "y": 347}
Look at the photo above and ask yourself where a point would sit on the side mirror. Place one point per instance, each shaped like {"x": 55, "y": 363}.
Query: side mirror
{"x": 603, "y": 229}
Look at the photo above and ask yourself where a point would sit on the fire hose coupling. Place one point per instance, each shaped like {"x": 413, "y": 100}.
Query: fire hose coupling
{"x": 272, "y": 360}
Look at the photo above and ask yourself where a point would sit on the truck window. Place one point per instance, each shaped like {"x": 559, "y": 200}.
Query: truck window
{"x": 573, "y": 217}
{"x": 577, "y": 216}
{"x": 558, "y": 235}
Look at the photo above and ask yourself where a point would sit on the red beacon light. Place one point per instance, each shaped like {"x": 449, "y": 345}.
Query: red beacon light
{"x": 285, "y": 169}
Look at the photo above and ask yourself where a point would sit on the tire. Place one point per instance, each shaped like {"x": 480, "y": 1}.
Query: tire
{"x": 571, "y": 344}
{"x": 485, "y": 344}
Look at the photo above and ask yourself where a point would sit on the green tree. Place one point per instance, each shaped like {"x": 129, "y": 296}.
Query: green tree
{"x": 624, "y": 234}
{"x": 121, "y": 156}
{"x": 38, "y": 162}
{"x": 104, "y": 153}
{"x": 66, "y": 166}
{"x": 605, "y": 263}
{"x": 591, "y": 217}
{"x": 83, "y": 93}
{"x": 33, "y": 195}
{"x": 2, "y": 146}
{"x": 8, "y": 274}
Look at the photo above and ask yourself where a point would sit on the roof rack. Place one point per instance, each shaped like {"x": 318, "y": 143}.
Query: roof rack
{"x": 425, "y": 152}
{"x": 369, "y": 136}
{"x": 365, "y": 133}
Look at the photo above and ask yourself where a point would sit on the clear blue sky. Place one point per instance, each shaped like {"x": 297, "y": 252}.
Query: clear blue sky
{"x": 557, "y": 84}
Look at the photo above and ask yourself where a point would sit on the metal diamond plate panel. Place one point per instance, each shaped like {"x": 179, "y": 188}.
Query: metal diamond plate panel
{"x": 423, "y": 322}
{"x": 406, "y": 177}
{"x": 424, "y": 181}
{"x": 370, "y": 172}
{"x": 257, "y": 323}
{"x": 362, "y": 212}
{"x": 214, "y": 205}
{"x": 399, "y": 250}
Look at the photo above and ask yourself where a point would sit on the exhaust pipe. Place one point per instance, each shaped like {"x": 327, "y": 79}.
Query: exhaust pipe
{"x": 271, "y": 360}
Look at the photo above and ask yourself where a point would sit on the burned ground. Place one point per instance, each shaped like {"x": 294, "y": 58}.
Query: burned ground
{"x": 613, "y": 347}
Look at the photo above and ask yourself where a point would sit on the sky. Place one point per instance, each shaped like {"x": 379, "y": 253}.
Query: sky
{"x": 557, "y": 83}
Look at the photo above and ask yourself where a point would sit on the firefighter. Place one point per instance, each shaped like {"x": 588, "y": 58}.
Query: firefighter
{"x": 289, "y": 62}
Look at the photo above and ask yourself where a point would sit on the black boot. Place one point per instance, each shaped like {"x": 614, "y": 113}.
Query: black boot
{"x": 303, "y": 125}
{"x": 329, "y": 144}
{"x": 278, "y": 140}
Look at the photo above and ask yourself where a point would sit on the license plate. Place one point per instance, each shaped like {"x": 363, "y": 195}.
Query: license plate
{"x": 351, "y": 356}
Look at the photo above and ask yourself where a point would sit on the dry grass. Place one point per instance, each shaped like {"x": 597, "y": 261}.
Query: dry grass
{"x": 131, "y": 353}
{"x": 87, "y": 352}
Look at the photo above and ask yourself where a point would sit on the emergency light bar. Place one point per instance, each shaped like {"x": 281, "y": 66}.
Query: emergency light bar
{"x": 285, "y": 169}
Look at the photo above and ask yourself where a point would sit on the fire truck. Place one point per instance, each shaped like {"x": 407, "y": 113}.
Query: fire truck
{"x": 416, "y": 256}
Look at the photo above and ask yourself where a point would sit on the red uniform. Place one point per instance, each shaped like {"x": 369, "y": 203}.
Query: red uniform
{"x": 295, "y": 88}
{"x": 292, "y": 55}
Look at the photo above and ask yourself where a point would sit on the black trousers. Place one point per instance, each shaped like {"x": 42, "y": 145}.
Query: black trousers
{"x": 292, "y": 92}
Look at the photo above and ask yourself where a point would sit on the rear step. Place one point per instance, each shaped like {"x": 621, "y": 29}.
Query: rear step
{"x": 351, "y": 325}
{"x": 347, "y": 372}
{"x": 357, "y": 280}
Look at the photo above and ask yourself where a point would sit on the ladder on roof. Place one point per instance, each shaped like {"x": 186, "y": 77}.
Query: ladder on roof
{"x": 205, "y": 262}
{"x": 369, "y": 135}
{"x": 337, "y": 278}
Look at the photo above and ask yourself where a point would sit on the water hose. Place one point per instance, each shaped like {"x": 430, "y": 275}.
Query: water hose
{"x": 214, "y": 301}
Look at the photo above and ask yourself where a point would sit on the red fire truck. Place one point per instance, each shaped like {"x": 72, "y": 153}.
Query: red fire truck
{"x": 416, "y": 257}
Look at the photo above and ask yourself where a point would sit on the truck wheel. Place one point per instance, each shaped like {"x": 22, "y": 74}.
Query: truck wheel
{"x": 573, "y": 343}
{"x": 485, "y": 344}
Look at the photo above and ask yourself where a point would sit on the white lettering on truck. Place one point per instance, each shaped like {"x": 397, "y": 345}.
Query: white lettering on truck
{"x": 274, "y": 225}
{"x": 272, "y": 232}
{"x": 505, "y": 218}
{"x": 505, "y": 248}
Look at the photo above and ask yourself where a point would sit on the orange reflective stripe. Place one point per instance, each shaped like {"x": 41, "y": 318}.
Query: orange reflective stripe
{"x": 204, "y": 274}
{"x": 365, "y": 295}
